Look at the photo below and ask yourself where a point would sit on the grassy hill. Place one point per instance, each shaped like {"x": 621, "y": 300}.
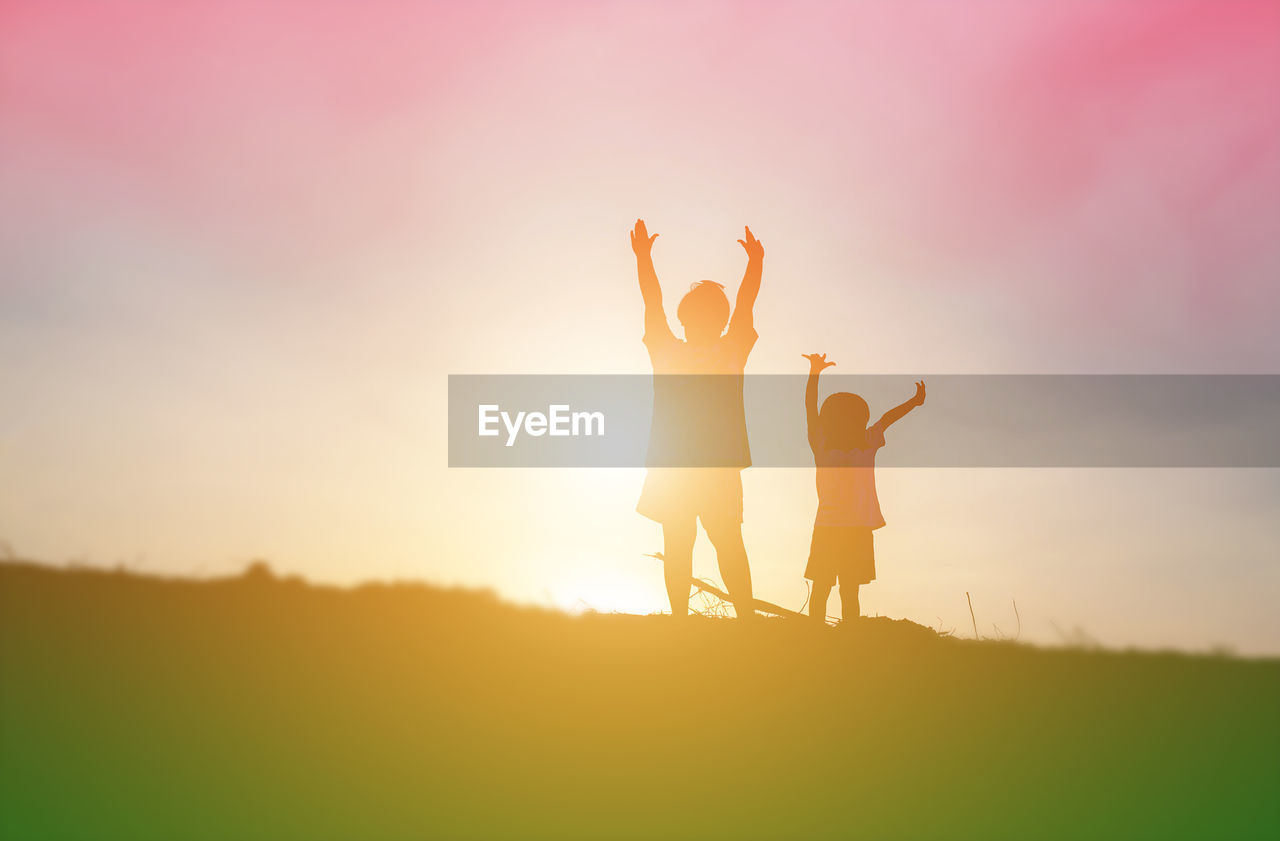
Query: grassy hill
{"x": 137, "y": 707}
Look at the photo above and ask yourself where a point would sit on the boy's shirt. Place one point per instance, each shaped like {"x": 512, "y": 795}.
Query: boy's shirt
{"x": 847, "y": 484}
{"x": 698, "y": 414}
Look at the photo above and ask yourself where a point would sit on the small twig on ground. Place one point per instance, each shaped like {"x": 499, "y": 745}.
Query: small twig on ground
{"x": 971, "y": 616}
{"x": 757, "y": 604}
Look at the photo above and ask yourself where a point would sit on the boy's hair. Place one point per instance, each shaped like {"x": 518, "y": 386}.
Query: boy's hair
{"x": 704, "y": 303}
{"x": 844, "y": 416}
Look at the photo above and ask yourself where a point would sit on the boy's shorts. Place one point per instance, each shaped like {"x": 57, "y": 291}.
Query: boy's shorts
{"x": 846, "y": 553}
{"x": 680, "y": 494}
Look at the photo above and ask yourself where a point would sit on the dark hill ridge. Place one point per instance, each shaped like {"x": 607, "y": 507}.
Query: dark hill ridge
{"x": 259, "y": 707}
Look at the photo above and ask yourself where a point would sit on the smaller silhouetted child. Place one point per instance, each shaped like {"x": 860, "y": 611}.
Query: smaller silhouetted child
{"x": 844, "y": 452}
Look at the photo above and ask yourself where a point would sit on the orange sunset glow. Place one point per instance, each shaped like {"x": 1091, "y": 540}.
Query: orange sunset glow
{"x": 594, "y": 419}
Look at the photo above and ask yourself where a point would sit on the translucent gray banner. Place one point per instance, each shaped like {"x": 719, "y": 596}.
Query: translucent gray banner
{"x": 966, "y": 421}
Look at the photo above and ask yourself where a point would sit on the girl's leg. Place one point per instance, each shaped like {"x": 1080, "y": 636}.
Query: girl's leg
{"x": 818, "y": 602}
{"x": 677, "y": 554}
{"x": 731, "y": 554}
{"x": 849, "y": 607}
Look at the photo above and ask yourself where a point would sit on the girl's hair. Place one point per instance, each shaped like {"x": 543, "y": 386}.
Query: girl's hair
{"x": 843, "y": 419}
{"x": 704, "y": 303}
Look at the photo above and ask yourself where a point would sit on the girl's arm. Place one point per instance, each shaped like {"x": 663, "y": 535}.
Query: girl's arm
{"x": 897, "y": 413}
{"x": 817, "y": 362}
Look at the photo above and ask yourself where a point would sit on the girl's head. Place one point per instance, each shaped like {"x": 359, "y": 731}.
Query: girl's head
{"x": 704, "y": 311}
{"x": 843, "y": 420}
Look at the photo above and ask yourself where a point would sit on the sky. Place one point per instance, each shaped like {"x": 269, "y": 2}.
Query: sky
{"x": 243, "y": 245}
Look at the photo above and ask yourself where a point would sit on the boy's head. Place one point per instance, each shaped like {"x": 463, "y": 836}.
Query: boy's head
{"x": 704, "y": 311}
{"x": 844, "y": 418}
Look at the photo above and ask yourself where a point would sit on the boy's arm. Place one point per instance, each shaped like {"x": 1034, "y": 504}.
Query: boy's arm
{"x": 817, "y": 362}
{"x": 898, "y": 412}
{"x": 655, "y": 318}
{"x": 750, "y": 288}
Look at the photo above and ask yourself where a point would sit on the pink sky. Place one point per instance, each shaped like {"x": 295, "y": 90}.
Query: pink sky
{"x": 249, "y": 240}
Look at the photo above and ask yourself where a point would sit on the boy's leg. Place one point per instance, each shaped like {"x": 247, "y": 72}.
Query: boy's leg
{"x": 731, "y": 554}
{"x": 849, "y": 607}
{"x": 818, "y": 602}
{"x": 677, "y": 555}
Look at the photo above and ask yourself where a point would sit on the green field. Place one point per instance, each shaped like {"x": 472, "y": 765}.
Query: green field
{"x": 135, "y": 707}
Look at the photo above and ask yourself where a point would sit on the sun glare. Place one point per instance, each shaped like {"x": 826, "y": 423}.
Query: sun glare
{"x": 606, "y": 594}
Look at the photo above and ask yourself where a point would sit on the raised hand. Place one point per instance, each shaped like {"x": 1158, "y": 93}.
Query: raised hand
{"x": 818, "y": 362}
{"x": 753, "y": 246}
{"x": 641, "y": 242}
{"x": 919, "y": 398}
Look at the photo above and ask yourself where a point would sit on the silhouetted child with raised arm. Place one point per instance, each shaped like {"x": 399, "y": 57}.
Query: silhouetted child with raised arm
{"x": 698, "y": 438}
{"x": 844, "y": 452}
